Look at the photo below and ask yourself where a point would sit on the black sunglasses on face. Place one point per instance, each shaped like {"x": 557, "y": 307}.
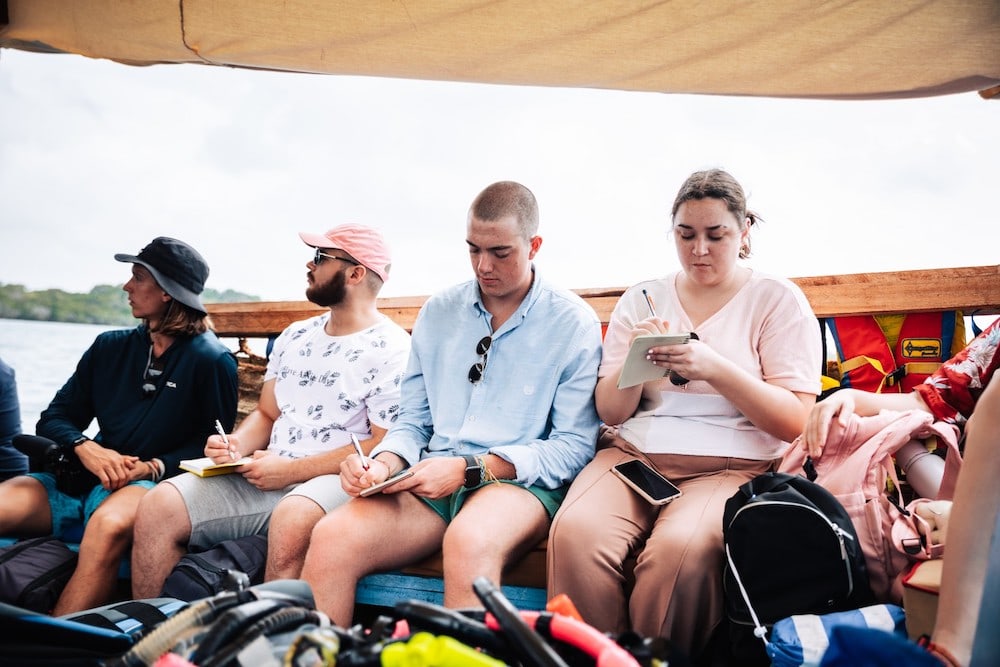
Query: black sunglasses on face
{"x": 479, "y": 368}
{"x": 154, "y": 369}
{"x": 320, "y": 256}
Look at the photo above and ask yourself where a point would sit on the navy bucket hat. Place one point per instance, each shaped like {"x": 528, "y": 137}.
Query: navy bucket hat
{"x": 177, "y": 268}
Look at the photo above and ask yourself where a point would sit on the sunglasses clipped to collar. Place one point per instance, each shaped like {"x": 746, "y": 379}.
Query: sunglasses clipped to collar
{"x": 320, "y": 256}
{"x": 479, "y": 368}
{"x": 154, "y": 369}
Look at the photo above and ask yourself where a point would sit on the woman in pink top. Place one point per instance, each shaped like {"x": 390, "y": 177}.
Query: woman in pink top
{"x": 753, "y": 375}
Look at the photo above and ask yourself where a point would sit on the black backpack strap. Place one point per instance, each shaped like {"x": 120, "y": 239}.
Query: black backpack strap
{"x": 145, "y": 613}
{"x": 96, "y": 620}
{"x": 250, "y": 553}
{"x": 149, "y": 615}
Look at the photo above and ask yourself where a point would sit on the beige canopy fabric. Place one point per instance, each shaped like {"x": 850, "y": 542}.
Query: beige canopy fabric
{"x": 777, "y": 48}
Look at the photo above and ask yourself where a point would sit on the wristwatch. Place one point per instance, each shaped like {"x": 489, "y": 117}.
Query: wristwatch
{"x": 79, "y": 441}
{"x": 473, "y": 471}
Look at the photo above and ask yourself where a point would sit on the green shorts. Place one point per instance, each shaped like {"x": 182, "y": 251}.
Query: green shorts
{"x": 449, "y": 506}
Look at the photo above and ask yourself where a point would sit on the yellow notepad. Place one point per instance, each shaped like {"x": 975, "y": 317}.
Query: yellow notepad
{"x": 204, "y": 467}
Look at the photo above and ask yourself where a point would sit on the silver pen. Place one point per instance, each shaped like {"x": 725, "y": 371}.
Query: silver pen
{"x": 357, "y": 448}
{"x": 225, "y": 439}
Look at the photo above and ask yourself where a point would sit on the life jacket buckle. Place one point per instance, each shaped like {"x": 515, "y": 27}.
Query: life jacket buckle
{"x": 895, "y": 377}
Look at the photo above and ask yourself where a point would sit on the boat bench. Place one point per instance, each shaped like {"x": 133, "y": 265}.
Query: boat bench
{"x": 972, "y": 290}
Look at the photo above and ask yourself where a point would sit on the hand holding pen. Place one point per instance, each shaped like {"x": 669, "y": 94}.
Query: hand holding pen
{"x": 225, "y": 439}
{"x": 675, "y": 378}
{"x": 361, "y": 453}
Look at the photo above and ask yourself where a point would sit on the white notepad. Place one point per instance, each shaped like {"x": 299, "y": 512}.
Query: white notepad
{"x": 638, "y": 368}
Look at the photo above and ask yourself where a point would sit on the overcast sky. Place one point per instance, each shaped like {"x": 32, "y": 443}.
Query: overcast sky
{"x": 98, "y": 158}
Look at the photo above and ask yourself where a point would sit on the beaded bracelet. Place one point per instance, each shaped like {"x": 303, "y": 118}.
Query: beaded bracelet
{"x": 488, "y": 475}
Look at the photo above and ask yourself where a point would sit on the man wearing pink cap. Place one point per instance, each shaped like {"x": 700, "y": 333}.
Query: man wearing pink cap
{"x": 330, "y": 379}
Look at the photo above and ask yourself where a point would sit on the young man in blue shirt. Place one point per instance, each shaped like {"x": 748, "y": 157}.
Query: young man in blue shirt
{"x": 497, "y": 417}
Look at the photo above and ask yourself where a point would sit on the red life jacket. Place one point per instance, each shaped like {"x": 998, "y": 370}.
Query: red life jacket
{"x": 868, "y": 363}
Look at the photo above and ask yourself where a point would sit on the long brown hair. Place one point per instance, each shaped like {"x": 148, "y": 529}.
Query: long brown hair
{"x": 182, "y": 321}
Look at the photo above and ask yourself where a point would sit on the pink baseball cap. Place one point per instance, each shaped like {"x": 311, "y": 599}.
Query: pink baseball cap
{"x": 360, "y": 242}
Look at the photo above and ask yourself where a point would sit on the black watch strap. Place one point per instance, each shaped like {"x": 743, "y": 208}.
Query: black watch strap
{"x": 473, "y": 471}
{"x": 79, "y": 441}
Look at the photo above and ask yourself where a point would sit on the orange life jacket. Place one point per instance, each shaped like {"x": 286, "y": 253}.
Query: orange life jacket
{"x": 869, "y": 362}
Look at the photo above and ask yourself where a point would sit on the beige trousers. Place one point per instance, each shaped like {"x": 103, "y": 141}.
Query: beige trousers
{"x": 629, "y": 565}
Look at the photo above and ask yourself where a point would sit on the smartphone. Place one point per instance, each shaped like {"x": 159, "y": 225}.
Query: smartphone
{"x": 398, "y": 477}
{"x": 645, "y": 481}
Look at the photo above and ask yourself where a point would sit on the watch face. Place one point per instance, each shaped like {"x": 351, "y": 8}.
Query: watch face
{"x": 473, "y": 472}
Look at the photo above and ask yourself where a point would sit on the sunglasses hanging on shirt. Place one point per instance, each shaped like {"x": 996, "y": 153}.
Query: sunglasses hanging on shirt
{"x": 479, "y": 368}
{"x": 154, "y": 369}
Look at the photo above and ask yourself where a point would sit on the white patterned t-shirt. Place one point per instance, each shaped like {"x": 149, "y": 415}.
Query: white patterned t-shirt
{"x": 328, "y": 387}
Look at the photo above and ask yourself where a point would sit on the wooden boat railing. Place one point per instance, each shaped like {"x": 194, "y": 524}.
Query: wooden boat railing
{"x": 973, "y": 290}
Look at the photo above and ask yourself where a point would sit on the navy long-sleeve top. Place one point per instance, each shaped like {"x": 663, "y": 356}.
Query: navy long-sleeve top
{"x": 198, "y": 385}
{"x": 12, "y": 462}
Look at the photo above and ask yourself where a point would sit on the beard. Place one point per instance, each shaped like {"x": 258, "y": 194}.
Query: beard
{"x": 330, "y": 293}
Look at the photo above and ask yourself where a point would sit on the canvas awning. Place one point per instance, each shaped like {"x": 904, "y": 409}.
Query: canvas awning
{"x": 776, "y": 48}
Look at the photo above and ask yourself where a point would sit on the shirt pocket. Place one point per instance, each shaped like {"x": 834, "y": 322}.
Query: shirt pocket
{"x": 529, "y": 395}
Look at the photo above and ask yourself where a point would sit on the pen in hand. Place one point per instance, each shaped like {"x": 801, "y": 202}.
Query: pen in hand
{"x": 357, "y": 448}
{"x": 225, "y": 439}
{"x": 675, "y": 378}
{"x": 649, "y": 302}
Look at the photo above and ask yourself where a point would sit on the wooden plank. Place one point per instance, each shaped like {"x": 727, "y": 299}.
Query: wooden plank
{"x": 964, "y": 288}
{"x": 258, "y": 319}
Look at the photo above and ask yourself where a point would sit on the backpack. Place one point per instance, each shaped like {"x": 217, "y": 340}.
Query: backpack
{"x": 856, "y": 463}
{"x": 791, "y": 548}
{"x": 94, "y": 637}
{"x": 34, "y": 572}
{"x": 203, "y": 574}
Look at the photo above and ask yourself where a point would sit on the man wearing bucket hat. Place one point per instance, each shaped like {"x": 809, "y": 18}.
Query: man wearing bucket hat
{"x": 155, "y": 392}
{"x": 330, "y": 380}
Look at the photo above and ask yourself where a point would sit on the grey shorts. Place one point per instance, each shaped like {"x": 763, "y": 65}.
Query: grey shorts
{"x": 225, "y": 507}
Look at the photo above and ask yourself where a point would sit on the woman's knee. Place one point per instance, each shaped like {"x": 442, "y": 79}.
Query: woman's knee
{"x": 575, "y": 525}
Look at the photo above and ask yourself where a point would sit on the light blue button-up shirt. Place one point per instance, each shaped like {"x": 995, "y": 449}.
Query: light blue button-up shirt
{"x": 534, "y": 406}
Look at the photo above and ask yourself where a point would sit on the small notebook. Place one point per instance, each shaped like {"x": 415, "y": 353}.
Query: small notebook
{"x": 204, "y": 467}
{"x": 637, "y": 368}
